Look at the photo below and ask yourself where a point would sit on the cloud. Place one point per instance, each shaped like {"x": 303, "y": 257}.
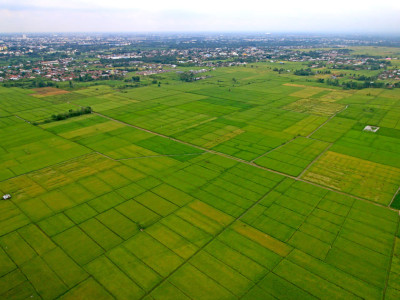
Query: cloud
{"x": 205, "y": 15}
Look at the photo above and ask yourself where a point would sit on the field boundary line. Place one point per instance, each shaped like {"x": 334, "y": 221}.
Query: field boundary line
{"x": 223, "y": 155}
{"x": 330, "y": 247}
{"x": 50, "y": 166}
{"x": 183, "y": 292}
{"x": 201, "y": 123}
{"x": 35, "y": 224}
{"x": 340, "y": 230}
{"x": 25, "y": 120}
{"x": 213, "y": 238}
{"x": 314, "y": 160}
{"x": 276, "y": 148}
{"x": 246, "y": 162}
{"x": 394, "y": 196}
{"x": 147, "y": 156}
{"x": 166, "y": 155}
{"x": 18, "y": 267}
{"x": 330, "y": 118}
{"x": 212, "y": 279}
{"x": 390, "y": 262}
{"x": 305, "y": 219}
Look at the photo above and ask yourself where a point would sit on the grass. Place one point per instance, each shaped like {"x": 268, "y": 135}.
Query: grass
{"x": 104, "y": 210}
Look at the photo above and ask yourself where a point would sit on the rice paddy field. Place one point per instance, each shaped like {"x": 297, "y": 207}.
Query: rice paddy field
{"x": 265, "y": 188}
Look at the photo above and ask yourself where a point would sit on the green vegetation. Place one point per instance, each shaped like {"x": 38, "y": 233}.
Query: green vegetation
{"x": 186, "y": 76}
{"x": 303, "y": 72}
{"x": 262, "y": 187}
{"x": 294, "y": 156}
{"x": 71, "y": 113}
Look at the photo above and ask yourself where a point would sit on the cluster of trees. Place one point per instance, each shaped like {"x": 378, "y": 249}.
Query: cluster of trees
{"x": 281, "y": 70}
{"x": 303, "y": 72}
{"x": 133, "y": 79}
{"x": 127, "y": 86}
{"x": 39, "y": 82}
{"x": 126, "y": 62}
{"x": 365, "y": 78}
{"x": 369, "y": 65}
{"x": 187, "y": 76}
{"x": 324, "y": 72}
{"x": 159, "y": 59}
{"x": 356, "y": 67}
{"x": 333, "y": 82}
{"x": 88, "y": 77}
{"x": 70, "y": 113}
{"x": 320, "y": 64}
{"x": 362, "y": 85}
{"x": 29, "y": 83}
{"x": 359, "y": 85}
{"x": 84, "y": 78}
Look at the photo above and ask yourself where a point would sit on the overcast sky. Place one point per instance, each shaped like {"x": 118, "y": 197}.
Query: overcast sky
{"x": 370, "y": 16}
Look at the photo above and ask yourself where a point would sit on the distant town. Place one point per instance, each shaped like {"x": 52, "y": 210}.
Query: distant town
{"x": 45, "y": 60}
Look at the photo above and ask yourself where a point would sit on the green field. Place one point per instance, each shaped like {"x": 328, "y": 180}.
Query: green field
{"x": 265, "y": 189}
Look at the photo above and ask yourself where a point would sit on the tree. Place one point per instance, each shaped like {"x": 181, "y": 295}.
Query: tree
{"x": 303, "y": 72}
{"x": 187, "y": 76}
{"x": 135, "y": 78}
{"x": 71, "y": 113}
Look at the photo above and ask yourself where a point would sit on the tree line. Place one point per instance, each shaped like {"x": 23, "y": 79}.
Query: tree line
{"x": 71, "y": 113}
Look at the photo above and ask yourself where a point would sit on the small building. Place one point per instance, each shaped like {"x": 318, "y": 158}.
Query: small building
{"x": 371, "y": 128}
{"x": 6, "y": 196}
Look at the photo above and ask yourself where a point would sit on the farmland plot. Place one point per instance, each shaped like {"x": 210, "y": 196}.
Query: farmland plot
{"x": 356, "y": 176}
{"x": 26, "y": 148}
{"x": 315, "y": 107}
{"x": 293, "y": 157}
{"x": 103, "y": 210}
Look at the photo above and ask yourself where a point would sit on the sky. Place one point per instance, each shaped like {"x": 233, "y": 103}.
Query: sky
{"x": 339, "y": 16}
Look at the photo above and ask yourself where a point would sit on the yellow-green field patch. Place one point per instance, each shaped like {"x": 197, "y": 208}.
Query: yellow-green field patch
{"x": 356, "y": 176}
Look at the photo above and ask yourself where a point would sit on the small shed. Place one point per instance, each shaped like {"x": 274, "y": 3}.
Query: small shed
{"x": 6, "y": 196}
{"x": 371, "y": 128}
